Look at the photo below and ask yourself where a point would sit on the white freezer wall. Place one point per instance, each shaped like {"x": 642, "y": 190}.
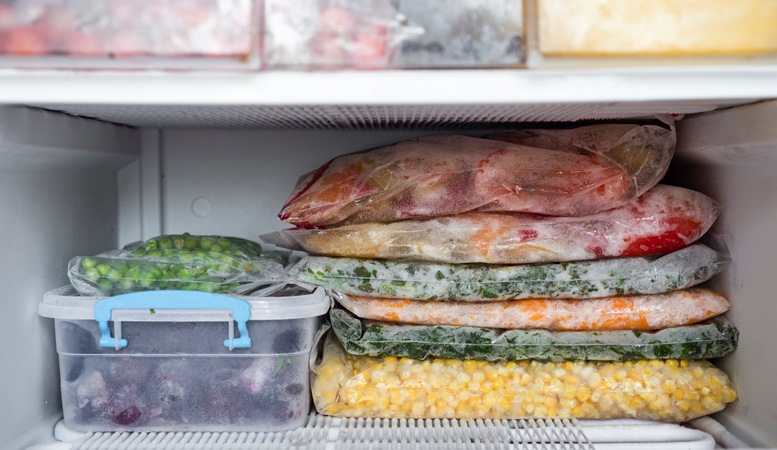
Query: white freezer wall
{"x": 57, "y": 199}
{"x": 731, "y": 155}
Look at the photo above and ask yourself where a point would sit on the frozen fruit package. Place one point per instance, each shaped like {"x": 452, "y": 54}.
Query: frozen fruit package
{"x": 633, "y": 312}
{"x": 441, "y": 175}
{"x": 667, "y": 390}
{"x": 202, "y": 263}
{"x": 130, "y": 33}
{"x": 713, "y": 339}
{"x": 479, "y": 282}
{"x": 379, "y": 34}
{"x": 665, "y": 219}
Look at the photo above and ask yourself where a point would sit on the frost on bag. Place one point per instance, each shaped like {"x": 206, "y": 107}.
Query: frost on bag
{"x": 186, "y": 262}
{"x": 667, "y": 390}
{"x": 664, "y": 219}
{"x": 375, "y": 34}
{"x": 585, "y": 279}
{"x": 713, "y": 339}
{"x": 634, "y": 312}
{"x": 442, "y": 175}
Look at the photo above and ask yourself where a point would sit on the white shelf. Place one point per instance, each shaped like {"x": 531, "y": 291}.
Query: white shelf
{"x": 364, "y": 99}
{"x": 329, "y": 433}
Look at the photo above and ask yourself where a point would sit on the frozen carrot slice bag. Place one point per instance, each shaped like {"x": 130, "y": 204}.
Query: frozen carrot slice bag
{"x": 633, "y": 312}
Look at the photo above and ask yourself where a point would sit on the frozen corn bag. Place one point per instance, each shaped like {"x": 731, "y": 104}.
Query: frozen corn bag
{"x": 479, "y": 282}
{"x": 713, "y": 339}
{"x": 186, "y": 262}
{"x": 664, "y": 219}
{"x": 635, "y": 312}
{"x": 668, "y": 390}
{"x": 442, "y": 175}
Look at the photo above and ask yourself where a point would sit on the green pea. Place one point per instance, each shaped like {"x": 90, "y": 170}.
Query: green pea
{"x": 103, "y": 269}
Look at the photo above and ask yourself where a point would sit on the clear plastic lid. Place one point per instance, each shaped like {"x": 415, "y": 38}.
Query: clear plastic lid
{"x": 65, "y": 303}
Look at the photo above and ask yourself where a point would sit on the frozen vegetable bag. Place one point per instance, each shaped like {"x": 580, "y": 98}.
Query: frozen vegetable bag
{"x": 202, "y": 263}
{"x": 634, "y": 312}
{"x": 668, "y": 390}
{"x": 712, "y": 339}
{"x": 665, "y": 219}
{"x": 442, "y": 175}
{"x": 479, "y": 282}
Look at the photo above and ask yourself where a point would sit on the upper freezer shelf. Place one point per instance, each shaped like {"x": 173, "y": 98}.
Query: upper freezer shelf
{"x": 386, "y": 99}
{"x": 373, "y": 34}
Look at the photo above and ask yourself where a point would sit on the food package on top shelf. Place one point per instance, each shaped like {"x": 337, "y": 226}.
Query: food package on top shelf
{"x": 712, "y": 339}
{"x": 585, "y": 279}
{"x": 668, "y": 390}
{"x": 441, "y": 175}
{"x": 375, "y": 34}
{"x": 130, "y": 33}
{"x": 634, "y": 312}
{"x": 657, "y": 27}
{"x": 202, "y": 263}
{"x": 663, "y": 220}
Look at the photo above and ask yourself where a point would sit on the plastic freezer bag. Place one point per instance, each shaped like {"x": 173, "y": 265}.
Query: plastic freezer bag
{"x": 112, "y": 31}
{"x": 667, "y": 390}
{"x": 374, "y": 34}
{"x": 202, "y": 263}
{"x": 585, "y": 279}
{"x": 663, "y": 220}
{"x": 635, "y": 312}
{"x": 441, "y": 175}
{"x": 712, "y": 339}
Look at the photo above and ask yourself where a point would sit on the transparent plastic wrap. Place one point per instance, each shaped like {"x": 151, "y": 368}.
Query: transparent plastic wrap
{"x": 130, "y": 34}
{"x": 377, "y": 34}
{"x": 186, "y": 262}
{"x": 585, "y": 279}
{"x": 656, "y": 27}
{"x": 667, "y": 390}
{"x": 440, "y": 175}
{"x": 713, "y": 339}
{"x": 635, "y": 312}
{"x": 663, "y": 220}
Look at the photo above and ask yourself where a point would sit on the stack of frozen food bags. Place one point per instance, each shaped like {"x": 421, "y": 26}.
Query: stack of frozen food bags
{"x": 533, "y": 273}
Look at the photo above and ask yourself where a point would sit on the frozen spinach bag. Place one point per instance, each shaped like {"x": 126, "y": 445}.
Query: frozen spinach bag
{"x": 182, "y": 262}
{"x": 481, "y": 282}
{"x": 712, "y": 339}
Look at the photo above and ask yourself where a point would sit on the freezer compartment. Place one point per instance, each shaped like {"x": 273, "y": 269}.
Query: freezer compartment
{"x": 176, "y": 369}
{"x": 130, "y": 34}
{"x": 380, "y": 34}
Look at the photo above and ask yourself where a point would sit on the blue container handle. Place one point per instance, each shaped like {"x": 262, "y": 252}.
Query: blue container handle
{"x": 241, "y": 311}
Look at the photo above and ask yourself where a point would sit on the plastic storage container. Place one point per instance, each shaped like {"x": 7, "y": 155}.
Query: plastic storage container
{"x": 150, "y": 366}
{"x": 130, "y": 34}
{"x": 376, "y": 34}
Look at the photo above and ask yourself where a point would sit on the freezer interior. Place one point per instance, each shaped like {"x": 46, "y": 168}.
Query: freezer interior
{"x": 74, "y": 185}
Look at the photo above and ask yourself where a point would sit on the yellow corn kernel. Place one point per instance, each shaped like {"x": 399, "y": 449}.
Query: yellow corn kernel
{"x": 672, "y": 390}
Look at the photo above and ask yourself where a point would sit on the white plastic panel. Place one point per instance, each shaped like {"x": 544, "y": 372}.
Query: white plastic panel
{"x": 57, "y": 199}
{"x": 439, "y": 116}
{"x": 366, "y": 99}
{"x": 732, "y": 157}
{"x": 320, "y": 432}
